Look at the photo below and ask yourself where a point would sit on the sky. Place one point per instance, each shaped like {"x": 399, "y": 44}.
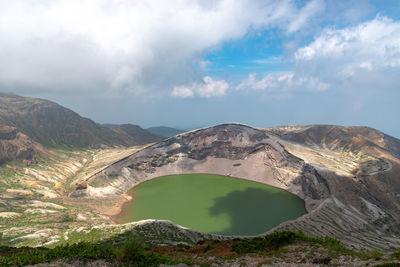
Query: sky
{"x": 191, "y": 64}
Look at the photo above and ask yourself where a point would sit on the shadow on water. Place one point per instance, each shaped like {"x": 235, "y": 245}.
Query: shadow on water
{"x": 254, "y": 211}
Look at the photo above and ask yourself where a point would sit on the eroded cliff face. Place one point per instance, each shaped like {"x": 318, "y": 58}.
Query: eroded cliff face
{"x": 347, "y": 177}
{"x": 15, "y": 145}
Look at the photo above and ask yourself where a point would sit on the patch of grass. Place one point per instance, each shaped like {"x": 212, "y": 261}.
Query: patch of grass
{"x": 264, "y": 262}
{"x": 276, "y": 240}
{"x": 376, "y": 255}
{"x": 388, "y": 264}
{"x": 207, "y": 248}
{"x": 273, "y": 241}
{"x": 84, "y": 251}
{"x": 396, "y": 254}
{"x": 131, "y": 252}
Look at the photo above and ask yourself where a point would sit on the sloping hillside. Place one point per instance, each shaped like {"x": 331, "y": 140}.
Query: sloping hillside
{"x": 164, "y": 131}
{"x": 356, "y": 139}
{"x": 136, "y": 134}
{"x": 53, "y": 125}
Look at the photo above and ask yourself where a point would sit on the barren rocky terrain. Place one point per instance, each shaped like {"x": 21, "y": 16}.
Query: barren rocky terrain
{"x": 347, "y": 176}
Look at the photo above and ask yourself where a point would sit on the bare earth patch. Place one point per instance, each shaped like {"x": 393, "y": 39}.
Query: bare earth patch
{"x": 9, "y": 214}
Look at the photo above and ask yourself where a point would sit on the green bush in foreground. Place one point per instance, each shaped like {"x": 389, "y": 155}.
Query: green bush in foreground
{"x": 389, "y": 264}
{"x": 276, "y": 240}
{"x": 83, "y": 251}
{"x": 132, "y": 251}
{"x": 396, "y": 254}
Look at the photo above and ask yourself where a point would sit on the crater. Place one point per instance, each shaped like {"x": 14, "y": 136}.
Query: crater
{"x": 212, "y": 204}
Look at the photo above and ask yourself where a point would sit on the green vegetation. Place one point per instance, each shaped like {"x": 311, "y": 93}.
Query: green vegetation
{"x": 84, "y": 251}
{"x": 131, "y": 251}
{"x": 396, "y": 254}
{"x": 278, "y": 240}
{"x": 213, "y": 204}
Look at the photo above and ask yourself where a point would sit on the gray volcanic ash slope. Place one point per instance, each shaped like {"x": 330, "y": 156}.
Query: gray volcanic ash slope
{"x": 347, "y": 176}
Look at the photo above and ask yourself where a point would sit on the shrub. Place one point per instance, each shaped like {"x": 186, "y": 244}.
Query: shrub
{"x": 131, "y": 252}
{"x": 207, "y": 248}
{"x": 84, "y": 251}
{"x": 396, "y": 254}
{"x": 276, "y": 240}
{"x": 272, "y": 241}
{"x": 388, "y": 264}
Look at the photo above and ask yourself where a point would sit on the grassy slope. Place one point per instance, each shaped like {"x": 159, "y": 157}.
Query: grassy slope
{"x": 276, "y": 248}
{"x": 33, "y": 200}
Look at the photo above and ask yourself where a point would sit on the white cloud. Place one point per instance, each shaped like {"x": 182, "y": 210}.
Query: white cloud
{"x": 182, "y": 92}
{"x": 366, "y": 56}
{"x": 369, "y": 46}
{"x": 125, "y": 44}
{"x": 278, "y": 83}
{"x": 206, "y": 89}
{"x": 210, "y": 88}
{"x": 305, "y": 14}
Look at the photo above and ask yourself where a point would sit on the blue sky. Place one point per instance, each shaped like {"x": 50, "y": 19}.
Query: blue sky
{"x": 190, "y": 64}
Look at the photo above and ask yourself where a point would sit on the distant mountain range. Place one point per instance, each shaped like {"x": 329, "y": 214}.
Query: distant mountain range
{"x": 164, "y": 131}
{"x": 136, "y": 134}
{"x": 32, "y": 121}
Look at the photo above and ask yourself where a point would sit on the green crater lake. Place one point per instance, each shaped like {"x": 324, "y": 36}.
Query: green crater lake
{"x": 212, "y": 204}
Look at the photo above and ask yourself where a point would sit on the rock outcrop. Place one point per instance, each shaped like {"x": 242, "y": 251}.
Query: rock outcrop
{"x": 15, "y": 145}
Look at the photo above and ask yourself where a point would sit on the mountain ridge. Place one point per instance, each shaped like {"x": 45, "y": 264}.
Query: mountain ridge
{"x": 53, "y": 125}
{"x": 165, "y": 131}
{"x": 356, "y": 191}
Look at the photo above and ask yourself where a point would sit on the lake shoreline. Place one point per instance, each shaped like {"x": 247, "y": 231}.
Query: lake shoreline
{"x": 126, "y": 193}
{"x": 118, "y": 208}
{"x": 118, "y": 217}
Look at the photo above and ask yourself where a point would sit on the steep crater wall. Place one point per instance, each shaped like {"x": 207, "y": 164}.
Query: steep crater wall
{"x": 354, "y": 210}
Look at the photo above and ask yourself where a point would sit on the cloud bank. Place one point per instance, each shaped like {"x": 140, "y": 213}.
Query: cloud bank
{"x": 366, "y": 56}
{"x": 127, "y": 45}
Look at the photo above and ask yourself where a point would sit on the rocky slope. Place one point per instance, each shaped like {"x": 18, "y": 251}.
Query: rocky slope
{"x": 15, "y": 145}
{"x": 347, "y": 176}
{"x": 53, "y": 125}
{"x": 355, "y": 139}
